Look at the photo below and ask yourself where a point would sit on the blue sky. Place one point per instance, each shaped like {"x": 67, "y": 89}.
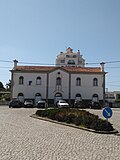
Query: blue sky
{"x": 37, "y": 30}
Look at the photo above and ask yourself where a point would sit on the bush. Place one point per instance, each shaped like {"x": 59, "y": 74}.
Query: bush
{"x": 77, "y": 121}
{"x": 101, "y": 125}
{"x": 50, "y": 113}
{"x": 60, "y": 117}
{"x": 69, "y": 118}
{"x": 77, "y": 117}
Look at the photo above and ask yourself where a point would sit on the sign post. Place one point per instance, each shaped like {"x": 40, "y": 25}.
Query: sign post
{"x": 107, "y": 113}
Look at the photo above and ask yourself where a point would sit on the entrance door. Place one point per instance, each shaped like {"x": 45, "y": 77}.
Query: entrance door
{"x": 78, "y": 97}
{"x": 21, "y": 97}
{"x": 57, "y": 97}
{"x": 95, "y": 98}
{"x": 38, "y": 97}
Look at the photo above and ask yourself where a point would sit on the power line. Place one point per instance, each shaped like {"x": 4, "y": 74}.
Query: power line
{"x": 112, "y": 67}
{"x": 6, "y": 61}
{"x": 106, "y": 62}
{"x": 91, "y": 63}
{"x": 5, "y": 67}
{"x": 113, "y": 85}
{"x": 113, "y": 62}
{"x": 113, "y": 82}
{"x": 35, "y": 63}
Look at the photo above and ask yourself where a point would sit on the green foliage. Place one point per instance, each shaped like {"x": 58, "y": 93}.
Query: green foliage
{"x": 77, "y": 117}
{"x": 8, "y": 85}
{"x": 50, "y": 113}
{"x": 2, "y": 87}
{"x": 5, "y": 97}
{"x": 117, "y": 100}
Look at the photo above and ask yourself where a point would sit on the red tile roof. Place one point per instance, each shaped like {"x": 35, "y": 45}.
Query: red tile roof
{"x": 67, "y": 69}
{"x": 35, "y": 68}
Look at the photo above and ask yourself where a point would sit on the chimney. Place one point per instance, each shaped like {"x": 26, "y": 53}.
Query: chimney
{"x": 102, "y": 66}
{"x": 78, "y": 52}
{"x": 106, "y": 90}
{"x": 15, "y": 64}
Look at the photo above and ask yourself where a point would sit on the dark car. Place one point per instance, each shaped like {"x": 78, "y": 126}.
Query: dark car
{"x": 95, "y": 105}
{"x": 42, "y": 104}
{"x": 78, "y": 104}
{"x": 15, "y": 104}
{"x": 28, "y": 103}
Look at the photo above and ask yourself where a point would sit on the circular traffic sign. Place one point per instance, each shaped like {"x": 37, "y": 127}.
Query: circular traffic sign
{"x": 107, "y": 112}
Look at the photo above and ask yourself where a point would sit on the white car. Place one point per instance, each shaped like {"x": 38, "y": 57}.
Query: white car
{"x": 28, "y": 103}
{"x": 62, "y": 103}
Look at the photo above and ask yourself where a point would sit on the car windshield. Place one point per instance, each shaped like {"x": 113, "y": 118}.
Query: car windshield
{"x": 28, "y": 101}
{"x": 41, "y": 101}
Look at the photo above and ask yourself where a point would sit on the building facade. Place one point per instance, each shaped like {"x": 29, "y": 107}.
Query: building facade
{"x": 112, "y": 99}
{"x": 68, "y": 80}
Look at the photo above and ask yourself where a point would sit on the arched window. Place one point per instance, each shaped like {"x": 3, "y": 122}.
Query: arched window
{"x": 78, "y": 97}
{"x": 37, "y": 94}
{"x": 74, "y": 56}
{"x": 21, "y": 80}
{"x": 38, "y": 97}
{"x": 78, "y": 81}
{"x": 95, "y": 82}
{"x": 57, "y": 97}
{"x": 38, "y": 80}
{"x": 20, "y": 94}
{"x": 21, "y": 97}
{"x": 58, "y": 81}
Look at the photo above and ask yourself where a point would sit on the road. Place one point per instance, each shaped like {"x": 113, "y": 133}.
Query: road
{"x": 26, "y": 138}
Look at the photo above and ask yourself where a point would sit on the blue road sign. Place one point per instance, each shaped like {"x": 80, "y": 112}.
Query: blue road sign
{"x": 107, "y": 112}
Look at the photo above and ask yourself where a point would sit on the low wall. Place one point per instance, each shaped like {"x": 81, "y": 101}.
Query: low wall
{"x": 4, "y": 102}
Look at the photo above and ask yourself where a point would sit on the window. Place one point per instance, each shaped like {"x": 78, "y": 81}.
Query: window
{"x": 63, "y": 61}
{"x": 74, "y": 56}
{"x": 78, "y": 97}
{"x": 67, "y": 56}
{"x": 21, "y": 80}
{"x": 37, "y": 94}
{"x": 58, "y": 81}
{"x": 38, "y": 80}
{"x": 71, "y": 62}
{"x": 20, "y": 94}
{"x": 78, "y": 82}
{"x": 95, "y": 82}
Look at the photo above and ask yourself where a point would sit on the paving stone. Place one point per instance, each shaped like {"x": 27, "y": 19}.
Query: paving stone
{"x": 26, "y": 138}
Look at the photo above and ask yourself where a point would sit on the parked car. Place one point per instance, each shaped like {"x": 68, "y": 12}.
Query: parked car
{"x": 78, "y": 104}
{"x": 28, "y": 103}
{"x": 62, "y": 103}
{"x": 95, "y": 105}
{"x": 15, "y": 104}
{"x": 42, "y": 104}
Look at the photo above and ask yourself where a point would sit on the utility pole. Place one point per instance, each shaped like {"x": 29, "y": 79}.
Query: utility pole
{"x": 102, "y": 69}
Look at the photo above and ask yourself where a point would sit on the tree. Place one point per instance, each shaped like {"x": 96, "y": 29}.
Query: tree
{"x": 8, "y": 86}
{"x": 2, "y": 87}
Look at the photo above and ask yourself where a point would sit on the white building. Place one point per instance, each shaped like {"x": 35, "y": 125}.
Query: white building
{"x": 111, "y": 98}
{"x": 68, "y": 80}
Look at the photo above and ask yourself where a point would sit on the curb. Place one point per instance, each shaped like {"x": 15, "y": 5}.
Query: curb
{"x": 74, "y": 126}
